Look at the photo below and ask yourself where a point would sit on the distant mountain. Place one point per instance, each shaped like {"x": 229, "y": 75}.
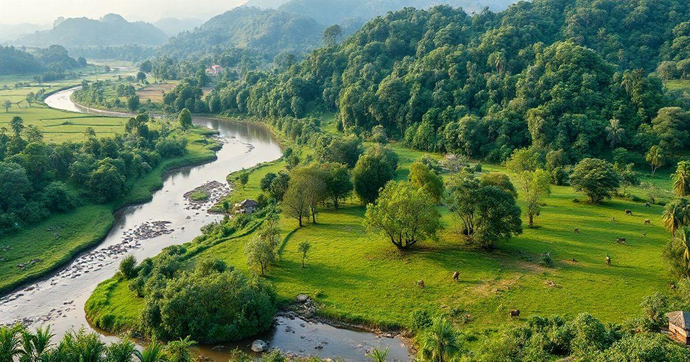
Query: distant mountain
{"x": 111, "y": 30}
{"x": 265, "y": 4}
{"x": 267, "y": 31}
{"x": 174, "y": 26}
{"x": 331, "y": 12}
{"x": 10, "y": 32}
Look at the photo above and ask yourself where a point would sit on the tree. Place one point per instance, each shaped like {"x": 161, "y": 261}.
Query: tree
{"x": 676, "y": 215}
{"x": 296, "y": 200}
{"x": 107, "y": 183}
{"x": 422, "y": 177}
{"x": 128, "y": 267}
{"x": 535, "y": 185}
{"x": 403, "y": 213}
{"x": 33, "y": 134}
{"x": 303, "y": 248}
{"x": 17, "y": 125}
{"x": 669, "y": 128}
{"x": 373, "y": 170}
{"x": 185, "y": 119}
{"x": 332, "y": 33}
{"x": 260, "y": 254}
{"x": 36, "y": 345}
{"x": 30, "y": 97}
{"x": 153, "y": 352}
{"x": 243, "y": 178}
{"x": 655, "y": 157}
{"x": 7, "y": 105}
{"x": 596, "y": 178}
{"x": 338, "y": 182}
{"x": 667, "y": 70}
{"x": 439, "y": 343}
{"x": 681, "y": 179}
{"x": 487, "y": 213}
{"x": 141, "y": 77}
{"x": 684, "y": 239}
{"x": 614, "y": 132}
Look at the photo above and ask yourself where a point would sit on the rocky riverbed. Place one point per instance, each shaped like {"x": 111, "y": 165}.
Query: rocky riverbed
{"x": 213, "y": 191}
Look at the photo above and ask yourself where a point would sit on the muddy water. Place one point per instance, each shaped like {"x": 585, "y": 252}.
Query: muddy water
{"x": 144, "y": 230}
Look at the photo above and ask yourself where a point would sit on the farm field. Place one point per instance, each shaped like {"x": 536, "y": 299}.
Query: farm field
{"x": 57, "y": 126}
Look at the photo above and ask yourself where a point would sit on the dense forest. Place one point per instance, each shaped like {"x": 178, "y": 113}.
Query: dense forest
{"x": 54, "y": 58}
{"x": 549, "y": 73}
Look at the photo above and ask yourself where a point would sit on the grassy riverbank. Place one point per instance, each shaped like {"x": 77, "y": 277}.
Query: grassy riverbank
{"x": 55, "y": 241}
{"x": 360, "y": 277}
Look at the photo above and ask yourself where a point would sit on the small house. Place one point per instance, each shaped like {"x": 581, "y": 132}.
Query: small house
{"x": 246, "y": 207}
{"x": 214, "y": 70}
{"x": 679, "y": 326}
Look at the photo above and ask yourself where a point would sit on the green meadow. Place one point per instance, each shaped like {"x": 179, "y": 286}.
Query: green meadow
{"x": 360, "y": 277}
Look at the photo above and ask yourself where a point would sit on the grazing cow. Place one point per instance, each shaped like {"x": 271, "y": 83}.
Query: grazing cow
{"x": 456, "y": 276}
{"x": 620, "y": 240}
{"x": 576, "y": 231}
{"x": 628, "y": 212}
{"x": 515, "y": 313}
{"x": 644, "y": 235}
{"x": 608, "y": 260}
{"x": 648, "y": 222}
{"x": 646, "y": 204}
{"x": 420, "y": 283}
{"x": 613, "y": 219}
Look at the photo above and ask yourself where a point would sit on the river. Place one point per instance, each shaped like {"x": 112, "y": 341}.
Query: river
{"x": 59, "y": 298}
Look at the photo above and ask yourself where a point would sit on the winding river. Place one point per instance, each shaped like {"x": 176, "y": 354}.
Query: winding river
{"x": 59, "y": 298}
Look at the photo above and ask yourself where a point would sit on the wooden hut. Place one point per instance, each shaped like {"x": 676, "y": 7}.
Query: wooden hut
{"x": 679, "y": 326}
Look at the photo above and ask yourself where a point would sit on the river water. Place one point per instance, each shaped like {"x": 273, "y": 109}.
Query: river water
{"x": 59, "y": 298}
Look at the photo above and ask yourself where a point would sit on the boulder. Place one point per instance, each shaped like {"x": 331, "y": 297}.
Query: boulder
{"x": 259, "y": 346}
{"x": 302, "y": 298}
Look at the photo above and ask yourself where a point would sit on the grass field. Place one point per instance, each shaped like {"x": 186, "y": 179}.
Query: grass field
{"x": 360, "y": 277}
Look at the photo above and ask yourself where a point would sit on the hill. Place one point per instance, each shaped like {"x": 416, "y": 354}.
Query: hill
{"x": 54, "y": 58}
{"x": 111, "y": 30}
{"x": 267, "y": 31}
{"x": 330, "y": 12}
{"x": 174, "y": 26}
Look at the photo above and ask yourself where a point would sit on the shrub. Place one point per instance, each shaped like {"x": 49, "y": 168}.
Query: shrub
{"x": 128, "y": 267}
{"x": 420, "y": 320}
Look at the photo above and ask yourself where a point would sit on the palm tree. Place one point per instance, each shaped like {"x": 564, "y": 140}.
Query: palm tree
{"x": 152, "y": 353}
{"x": 17, "y": 125}
{"x": 439, "y": 343}
{"x": 10, "y": 343}
{"x": 614, "y": 132}
{"x": 180, "y": 350}
{"x": 675, "y": 215}
{"x": 121, "y": 351}
{"x": 36, "y": 345}
{"x": 681, "y": 179}
{"x": 656, "y": 158}
{"x": 377, "y": 355}
{"x": 684, "y": 238}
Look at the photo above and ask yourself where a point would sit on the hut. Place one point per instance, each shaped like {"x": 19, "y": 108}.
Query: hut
{"x": 679, "y": 326}
{"x": 247, "y": 206}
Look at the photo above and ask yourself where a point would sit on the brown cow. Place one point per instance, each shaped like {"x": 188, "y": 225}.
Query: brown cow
{"x": 515, "y": 313}
{"x": 420, "y": 283}
{"x": 620, "y": 240}
{"x": 648, "y": 222}
{"x": 456, "y": 276}
{"x": 576, "y": 231}
{"x": 628, "y": 212}
{"x": 608, "y": 260}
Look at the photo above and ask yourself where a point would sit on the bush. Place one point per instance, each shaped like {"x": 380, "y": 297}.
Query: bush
{"x": 128, "y": 267}
{"x": 420, "y": 320}
{"x": 546, "y": 260}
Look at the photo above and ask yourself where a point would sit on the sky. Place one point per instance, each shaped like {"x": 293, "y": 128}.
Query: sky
{"x": 46, "y": 11}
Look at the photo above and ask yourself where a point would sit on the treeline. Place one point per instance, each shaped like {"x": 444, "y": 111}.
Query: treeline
{"x": 53, "y": 59}
{"x": 130, "y": 52}
{"x": 536, "y": 74}
{"x": 39, "y": 178}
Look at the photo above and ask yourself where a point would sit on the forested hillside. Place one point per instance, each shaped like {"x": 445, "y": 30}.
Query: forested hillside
{"x": 111, "y": 30}
{"x": 552, "y": 73}
{"x": 330, "y": 12}
{"x": 267, "y": 31}
{"x": 54, "y": 58}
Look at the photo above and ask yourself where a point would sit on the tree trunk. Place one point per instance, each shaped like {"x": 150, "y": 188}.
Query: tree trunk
{"x": 531, "y": 220}
{"x": 299, "y": 219}
{"x": 302, "y": 263}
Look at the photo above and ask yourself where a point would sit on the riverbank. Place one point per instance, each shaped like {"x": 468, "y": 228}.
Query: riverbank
{"x": 53, "y": 243}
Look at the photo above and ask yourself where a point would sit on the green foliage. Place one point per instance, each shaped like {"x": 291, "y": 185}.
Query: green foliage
{"x": 128, "y": 267}
{"x": 596, "y": 178}
{"x": 372, "y": 171}
{"x": 303, "y": 248}
{"x": 185, "y": 118}
{"x": 681, "y": 179}
{"x": 422, "y": 177}
{"x": 439, "y": 342}
{"x": 172, "y": 310}
{"x": 488, "y": 214}
{"x": 421, "y": 320}
{"x": 260, "y": 253}
{"x": 405, "y": 214}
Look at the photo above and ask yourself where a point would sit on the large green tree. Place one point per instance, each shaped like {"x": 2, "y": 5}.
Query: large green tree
{"x": 596, "y": 178}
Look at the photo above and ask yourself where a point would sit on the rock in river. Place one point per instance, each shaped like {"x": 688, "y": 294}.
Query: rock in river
{"x": 259, "y": 346}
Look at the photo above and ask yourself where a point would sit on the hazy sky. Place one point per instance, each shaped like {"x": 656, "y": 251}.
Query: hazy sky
{"x": 45, "y": 11}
